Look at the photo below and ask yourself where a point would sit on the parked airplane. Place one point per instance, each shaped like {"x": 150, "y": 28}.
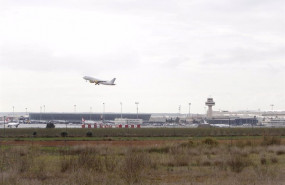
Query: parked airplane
{"x": 98, "y": 81}
{"x": 13, "y": 124}
{"x": 205, "y": 123}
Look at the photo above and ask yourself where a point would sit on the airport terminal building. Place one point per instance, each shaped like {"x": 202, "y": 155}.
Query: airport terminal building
{"x": 77, "y": 117}
{"x": 233, "y": 120}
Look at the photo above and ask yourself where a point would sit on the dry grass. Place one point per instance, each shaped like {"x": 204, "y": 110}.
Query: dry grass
{"x": 199, "y": 162}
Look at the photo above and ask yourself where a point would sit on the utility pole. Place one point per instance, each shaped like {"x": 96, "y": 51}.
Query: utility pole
{"x": 230, "y": 131}
{"x": 40, "y": 113}
{"x": 4, "y": 126}
{"x": 103, "y": 112}
{"x": 121, "y": 110}
{"x": 189, "y": 108}
{"x": 13, "y": 113}
{"x": 137, "y": 103}
{"x": 90, "y": 113}
{"x": 272, "y": 106}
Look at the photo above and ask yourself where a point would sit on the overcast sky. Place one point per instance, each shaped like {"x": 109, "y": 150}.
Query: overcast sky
{"x": 164, "y": 53}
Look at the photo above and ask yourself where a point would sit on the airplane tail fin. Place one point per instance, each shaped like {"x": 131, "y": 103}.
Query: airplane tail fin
{"x": 113, "y": 80}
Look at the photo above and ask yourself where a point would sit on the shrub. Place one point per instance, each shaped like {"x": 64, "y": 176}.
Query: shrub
{"x": 237, "y": 163}
{"x": 210, "y": 142}
{"x": 34, "y": 134}
{"x": 89, "y": 134}
{"x": 206, "y": 163}
{"x": 50, "y": 125}
{"x": 181, "y": 160}
{"x": 187, "y": 144}
{"x": 243, "y": 144}
{"x": 220, "y": 164}
{"x": 280, "y": 152}
{"x": 63, "y": 134}
{"x": 65, "y": 164}
{"x": 263, "y": 161}
{"x": 110, "y": 163}
{"x": 161, "y": 150}
{"x": 271, "y": 140}
{"x": 133, "y": 167}
{"x": 90, "y": 161}
{"x": 274, "y": 159}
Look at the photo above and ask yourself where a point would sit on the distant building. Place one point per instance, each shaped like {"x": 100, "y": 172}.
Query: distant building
{"x": 126, "y": 121}
{"x": 77, "y": 117}
{"x": 233, "y": 120}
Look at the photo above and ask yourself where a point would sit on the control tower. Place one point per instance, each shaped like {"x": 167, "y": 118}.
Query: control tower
{"x": 210, "y": 103}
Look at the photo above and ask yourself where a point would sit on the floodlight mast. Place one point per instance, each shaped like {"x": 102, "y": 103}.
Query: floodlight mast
{"x": 137, "y": 103}
{"x": 189, "y": 109}
{"x": 103, "y": 112}
{"x": 121, "y": 109}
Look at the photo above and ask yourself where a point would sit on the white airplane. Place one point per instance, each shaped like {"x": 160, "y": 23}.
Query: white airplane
{"x": 98, "y": 81}
{"x": 13, "y": 124}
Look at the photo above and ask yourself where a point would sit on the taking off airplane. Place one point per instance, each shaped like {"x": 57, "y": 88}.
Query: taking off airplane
{"x": 98, "y": 81}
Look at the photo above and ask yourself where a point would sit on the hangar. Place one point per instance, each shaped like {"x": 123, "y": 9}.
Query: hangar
{"x": 77, "y": 117}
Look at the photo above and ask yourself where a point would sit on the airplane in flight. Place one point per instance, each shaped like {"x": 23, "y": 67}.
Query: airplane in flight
{"x": 98, "y": 81}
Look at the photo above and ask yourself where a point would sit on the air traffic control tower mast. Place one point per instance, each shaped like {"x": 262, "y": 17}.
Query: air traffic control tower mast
{"x": 210, "y": 103}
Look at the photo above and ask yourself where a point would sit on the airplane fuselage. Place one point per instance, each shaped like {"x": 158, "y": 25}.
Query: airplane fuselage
{"x": 12, "y": 124}
{"x": 98, "y": 81}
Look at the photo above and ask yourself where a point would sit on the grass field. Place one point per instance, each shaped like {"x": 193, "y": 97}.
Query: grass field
{"x": 224, "y": 159}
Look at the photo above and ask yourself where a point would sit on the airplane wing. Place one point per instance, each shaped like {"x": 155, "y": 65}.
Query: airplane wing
{"x": 95, "y": 80}
{"x": 99, "y": 81}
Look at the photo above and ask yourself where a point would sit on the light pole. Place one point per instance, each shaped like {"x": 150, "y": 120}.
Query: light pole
{"x": 44, "y": 108}
{"x": 121, "y": 110}
{"x": 40, "y": 113}
{"x": 13, "y": 112}
{"x": 189, "y": 108}
{"x": 137, "y": 103}
{"x": 26, "y": 111}
{"x": 4, "y": 127}
{"x": 231, "y": 134}
{"x": 103, "y": 112}
{"x": 272, "y": 106}
{"x": 90, "y": 113}
{"x": 74, "y": 108}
